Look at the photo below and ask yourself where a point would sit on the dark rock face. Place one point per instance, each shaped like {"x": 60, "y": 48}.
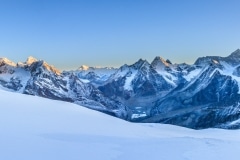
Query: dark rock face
{"x": 202, "y": 95}
{"x": 14, "y": 83}
{"x": 46, "y": 81}
{"x": 92, "y": 76}
{"x": 232, "y": 59}
{"x": 236, "y": 71}
{"x": 143, "y": 81}
{"x": 206, "y": 116}
{"x": 115, "y": 89}
{"x": 207, "y": 102}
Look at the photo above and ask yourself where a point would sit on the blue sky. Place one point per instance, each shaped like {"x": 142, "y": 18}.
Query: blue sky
{"x": 69, "y": 33}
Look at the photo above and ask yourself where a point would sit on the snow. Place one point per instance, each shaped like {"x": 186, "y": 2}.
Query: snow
{"x": 123, "y": 71}
{"x": 102, "y": 72}
{"x": 215, "y": 61}
{"x": 134, "y": 116}
{"x": 19, "y": 73}
{"x": 159, "y": 64}
{"x": 128, "y": 81}
{"x": 84, "y": 80}
{"x": 38, "y": 128}
{"x": 168, "y": 77}
{"x": 31, "y": 60}
{"x": 228, "y": 71}
{"x": 83, "y": 67}
{"x": 192, "y": 74}
{"x": 51, "y": 68}
{"x": 7, "y": 61}
{"x": 235, "y": 122}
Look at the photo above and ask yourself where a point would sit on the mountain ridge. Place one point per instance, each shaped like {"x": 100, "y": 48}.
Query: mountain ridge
{"x": 202, "y": 95}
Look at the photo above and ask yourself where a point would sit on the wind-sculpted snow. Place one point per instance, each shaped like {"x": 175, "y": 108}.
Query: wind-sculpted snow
{"x": 205, "y": 94}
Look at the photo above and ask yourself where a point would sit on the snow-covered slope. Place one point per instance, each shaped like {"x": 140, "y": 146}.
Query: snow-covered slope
{"x": 137, "y": 86}
{"x": 38, "y": 128}
{"x": 95, "y": 75}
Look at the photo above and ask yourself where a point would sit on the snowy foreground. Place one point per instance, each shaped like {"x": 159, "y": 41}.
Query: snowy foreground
{"x": 34, "y": 128}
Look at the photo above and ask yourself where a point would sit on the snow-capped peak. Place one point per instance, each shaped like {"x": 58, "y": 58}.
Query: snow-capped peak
{"x": 83, "y": 68}
{"x": 140, "y": 63}
{"x": 6, "y": 61}
{"x": 159, "y": 62}
{"x": 30, "y": 60}
{"x": 51, "y": 68}
{"x": 45, "y": 67}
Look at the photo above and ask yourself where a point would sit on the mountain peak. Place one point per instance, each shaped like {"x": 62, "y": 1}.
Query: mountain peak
{"x": 235, "y": 54}
{"x": 168, "y": 61}
{"x": 7, "y": 61}
{"x": 140, "y": 63}
{"x": 31, "y": 60}
{"x": 51, "y": 68}
{"x": 159, "y": 62}
{"x": 44, "y": 65}
{"x": 83, "y": 68}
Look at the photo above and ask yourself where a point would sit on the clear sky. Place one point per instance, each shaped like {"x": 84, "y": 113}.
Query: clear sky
{"x": 69, "y": 33}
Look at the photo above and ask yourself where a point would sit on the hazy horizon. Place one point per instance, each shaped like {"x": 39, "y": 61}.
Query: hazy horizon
{"x": 68, "y": 69}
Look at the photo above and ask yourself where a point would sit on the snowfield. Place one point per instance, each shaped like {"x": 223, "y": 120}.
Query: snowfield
{"x": 34, "y": 128}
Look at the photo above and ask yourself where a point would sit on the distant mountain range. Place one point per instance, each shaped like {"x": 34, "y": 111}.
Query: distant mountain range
{"x": 205, "y": 94}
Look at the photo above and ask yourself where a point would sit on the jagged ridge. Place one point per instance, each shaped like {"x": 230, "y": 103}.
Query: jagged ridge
{"x": 202, "y": 95}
